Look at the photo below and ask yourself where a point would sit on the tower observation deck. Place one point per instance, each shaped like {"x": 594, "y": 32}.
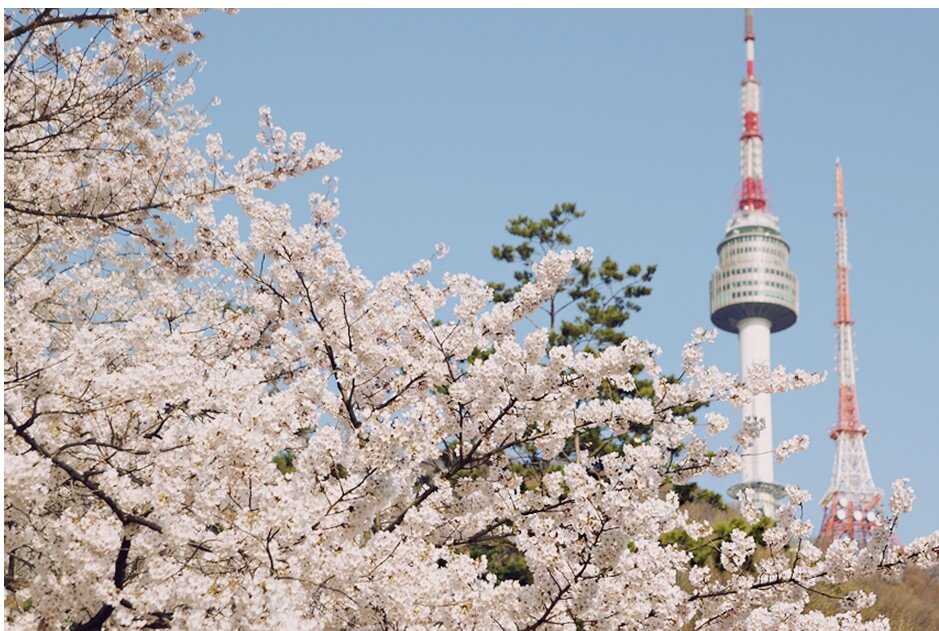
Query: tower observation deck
{"x": 753, "y": 292}
{"x": 753, "y": 279}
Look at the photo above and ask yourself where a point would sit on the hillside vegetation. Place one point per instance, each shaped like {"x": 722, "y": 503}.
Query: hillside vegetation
{"x": 910, "y": 601}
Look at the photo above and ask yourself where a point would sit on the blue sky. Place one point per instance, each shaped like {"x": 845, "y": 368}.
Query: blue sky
{"x": 452, "y": 122}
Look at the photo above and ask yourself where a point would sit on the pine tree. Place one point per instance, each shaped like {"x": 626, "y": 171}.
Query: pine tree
{"x": 604, "y": 294}
{"x": 590, "y": 308}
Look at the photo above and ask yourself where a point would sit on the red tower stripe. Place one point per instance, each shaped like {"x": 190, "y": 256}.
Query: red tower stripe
{"x": 751, "y": 125}
{"x": 849, "y": 420}
{"x": 844, "y": 301}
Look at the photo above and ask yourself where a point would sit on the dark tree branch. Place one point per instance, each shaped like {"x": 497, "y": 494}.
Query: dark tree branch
{"x": 97, "y": 621}
{"x": 120, "y": 566}
{"x": 82, "y": 478}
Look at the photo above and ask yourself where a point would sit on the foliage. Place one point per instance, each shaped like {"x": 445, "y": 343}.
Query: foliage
{"x": 706, "y": 551}
{"x": 691, "y": 492}
{"x": 143, "y": 409}
{"x": 504, "y": 560}
{"x": 604, "y": 294}
{"x": 910, "y": 601}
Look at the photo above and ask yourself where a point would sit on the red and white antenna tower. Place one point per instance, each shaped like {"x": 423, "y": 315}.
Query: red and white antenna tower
{"x": 852, "y": 504}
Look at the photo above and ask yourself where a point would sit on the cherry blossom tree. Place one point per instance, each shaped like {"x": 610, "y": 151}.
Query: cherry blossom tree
{"x": 151, "y": 378}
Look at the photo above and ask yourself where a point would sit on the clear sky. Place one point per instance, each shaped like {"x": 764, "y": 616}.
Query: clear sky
{"x": 451, "y": 122}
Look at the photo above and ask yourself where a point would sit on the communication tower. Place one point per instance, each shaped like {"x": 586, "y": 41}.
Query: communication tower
{"x": 852, "y": 504}
{"x": 753, "y": 292}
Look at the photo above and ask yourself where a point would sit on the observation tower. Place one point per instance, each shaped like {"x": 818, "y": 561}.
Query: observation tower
{"x": 852, "y": 504}
{"x": 753, "y": 293}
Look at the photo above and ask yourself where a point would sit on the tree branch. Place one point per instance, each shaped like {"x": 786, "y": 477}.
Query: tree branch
{"x": 82, "y": 478}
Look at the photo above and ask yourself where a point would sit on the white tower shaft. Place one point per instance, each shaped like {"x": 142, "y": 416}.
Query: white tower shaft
{"x": 758, "y": 459}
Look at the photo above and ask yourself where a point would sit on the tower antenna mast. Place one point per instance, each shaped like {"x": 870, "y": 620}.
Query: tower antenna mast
{"x": 751, "y": 140}
{"x": 852, "y": 504}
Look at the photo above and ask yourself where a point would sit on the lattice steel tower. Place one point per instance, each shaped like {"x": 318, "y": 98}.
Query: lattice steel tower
{"x": 852, "y": 504}
{"x": 753, "y": 293}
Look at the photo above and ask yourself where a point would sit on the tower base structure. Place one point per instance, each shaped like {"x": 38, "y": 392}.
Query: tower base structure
{"x": 853, "y": 502}
{"x": 766, "y": 495}
{"x": 849, "y": 518}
